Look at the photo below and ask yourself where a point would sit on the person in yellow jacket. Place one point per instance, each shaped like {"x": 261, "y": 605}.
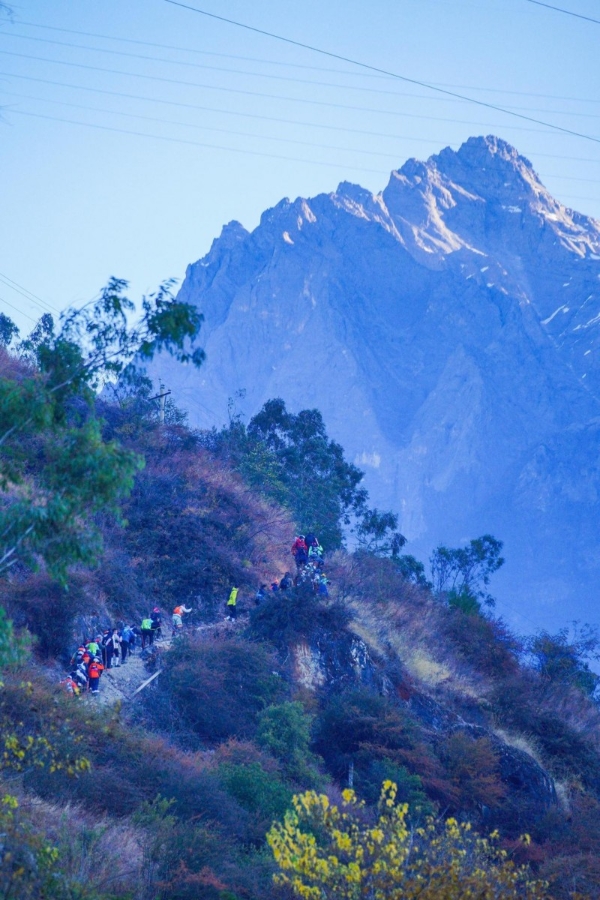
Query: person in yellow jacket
{"x": 232, "y": 604}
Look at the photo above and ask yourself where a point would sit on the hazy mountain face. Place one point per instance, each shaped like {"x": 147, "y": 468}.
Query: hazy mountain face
{"x": 449, "y": 331}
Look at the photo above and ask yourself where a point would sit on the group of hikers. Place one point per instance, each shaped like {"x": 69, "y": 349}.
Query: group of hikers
{"x": 111, "y": 648}
{"x": 309, "y": 558}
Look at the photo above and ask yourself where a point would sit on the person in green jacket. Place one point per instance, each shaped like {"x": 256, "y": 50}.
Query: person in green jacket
{"x": 147, "y": 632}
{"x": 232, "y": 604}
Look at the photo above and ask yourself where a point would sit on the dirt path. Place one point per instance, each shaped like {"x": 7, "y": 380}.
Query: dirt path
{"x": 120, "y": 682}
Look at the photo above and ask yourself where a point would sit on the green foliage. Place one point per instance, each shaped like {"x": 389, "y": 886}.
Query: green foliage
{"x": 286, "y": 616}
{"x": 563, "y": 658}
{"x": 377, "y": 533}
{"x": 257, "y": 791}
{"x": 13, "y": 648}
{"x": 412, "y": 570}
{"x": 285, "y": 731}
{"x": 57, "y": 471}
{"x": 46, "y": 609}
{"x": 8, "y": 330}
{"x": 290, "y": 459}
{"x": 464, "y": 601}
{"x": 212, "y": 691}
{"x": 464, "y": 572}
{"x": 409, "y": 786}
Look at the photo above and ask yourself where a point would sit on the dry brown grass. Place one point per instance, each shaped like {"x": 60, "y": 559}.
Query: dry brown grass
{"x": 103, "y": 853}
{"x": 398, "y": 618}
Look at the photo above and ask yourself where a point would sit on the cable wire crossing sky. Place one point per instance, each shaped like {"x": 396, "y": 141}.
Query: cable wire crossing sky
{"x": 132, "y": 133}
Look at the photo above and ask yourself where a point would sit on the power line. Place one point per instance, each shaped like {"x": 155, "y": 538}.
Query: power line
{"x": 286, "y": 78}
{"x": 109, "y": 37}
{"x": 272, "y": 62}
{"x": 203, "y": 127}
{"x": 243, "y": 134}
{"x": 20, "y": 311}
{"x": 297, "y": 122}
{"x": 281, "y": 97}
{"x": 371, "y": 68}
{"x": 567, "y": 12}
{"x": 37, "y": 301}
{"x": 159, "y": 137}
{"x": 227, "y": 149}
{"x": 182, "y": 62}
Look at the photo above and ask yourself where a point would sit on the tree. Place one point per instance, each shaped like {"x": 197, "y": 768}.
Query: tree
{"x": 377, "y": 533}
{"x": 8, "y": 330}
{"x": 323, "y": 488}
{"x": 563, "y": 657}
{"x": 56, "y": 470}
{"x": 413, "y": 570}
{"x": 325, "y": 851}
{"x": 291, "y": 460}
{"x": 462, "y": 574}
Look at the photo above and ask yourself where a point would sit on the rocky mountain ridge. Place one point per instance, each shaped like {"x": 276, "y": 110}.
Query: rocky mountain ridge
{"x": 448, "y": 331}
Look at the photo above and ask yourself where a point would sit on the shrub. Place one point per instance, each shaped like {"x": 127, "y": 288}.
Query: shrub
{"x": 285, "y": 731}
{"x": 286, "y": 616}
{"x": 486, "y": 643}
{"x": 473, "y": 767}
{"x": 257, "y": 791}
{"x": 47, "y": 610}
{"x": 409, "y": 786}
{"x": 565, "y": 661}
{"x": 323, "y": 850}
{"x": 213, "y": 690}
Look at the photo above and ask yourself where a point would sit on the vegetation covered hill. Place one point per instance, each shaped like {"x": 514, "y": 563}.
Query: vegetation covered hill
{"x": 391, "y": 679}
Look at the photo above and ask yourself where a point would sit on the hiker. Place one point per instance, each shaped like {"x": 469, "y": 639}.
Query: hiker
{"x": 126, "y": 636}
{"x": 232, "y": 604}
{"x": 95, "y": 670}
{"x": 108, "y": 650}
{"x": 274, "y": 585}
{"x": 178, "y": 614}
{"x": 93, "y": 646}
{"x": 156, "y": 617}
{"x": 133, "y": 638}
{"x": 286, "y": 582}
{"x": 300, "y": 551}
{"x": 315, "y": 554}
{"x": 260, "y": 594}
{"x": 78, "y": 655}
{"x": 115, "y": 638}
{"x": 80, "y": 675}
{"x": 147, "y": 633}
{"x": 70, "y": 685}
{"x": 322, "y": 583}
{"x": 310, "y": 539}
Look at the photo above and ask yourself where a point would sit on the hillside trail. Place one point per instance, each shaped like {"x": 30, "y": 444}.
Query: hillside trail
{"x": 122, "y": 683}
{"x": 119, "y": 683}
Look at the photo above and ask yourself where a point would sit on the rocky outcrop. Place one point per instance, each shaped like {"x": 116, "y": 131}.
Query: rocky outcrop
{"x": 448, "y": 329}
{"x": 336, "y": 663}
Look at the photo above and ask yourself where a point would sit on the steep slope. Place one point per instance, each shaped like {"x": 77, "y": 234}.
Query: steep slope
{"x": 447, "y": 328}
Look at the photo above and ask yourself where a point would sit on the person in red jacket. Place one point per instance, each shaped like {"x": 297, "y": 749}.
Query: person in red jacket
{"x": 95, "y": 670}
{"x": 300, "y": 551}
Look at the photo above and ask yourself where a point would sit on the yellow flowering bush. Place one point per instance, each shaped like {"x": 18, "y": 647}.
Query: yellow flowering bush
{"x": 326, "y": 852}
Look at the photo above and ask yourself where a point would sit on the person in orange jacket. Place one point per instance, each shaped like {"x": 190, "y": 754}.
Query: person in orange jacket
{"x": 178, "y": 614}
{"x": 95, "y": 670}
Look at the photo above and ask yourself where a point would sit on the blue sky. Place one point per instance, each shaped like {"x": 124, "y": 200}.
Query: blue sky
{"x": 228, "y": 122}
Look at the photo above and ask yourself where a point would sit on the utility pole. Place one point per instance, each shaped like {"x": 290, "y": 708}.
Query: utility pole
{"x": 162, "y": 397}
